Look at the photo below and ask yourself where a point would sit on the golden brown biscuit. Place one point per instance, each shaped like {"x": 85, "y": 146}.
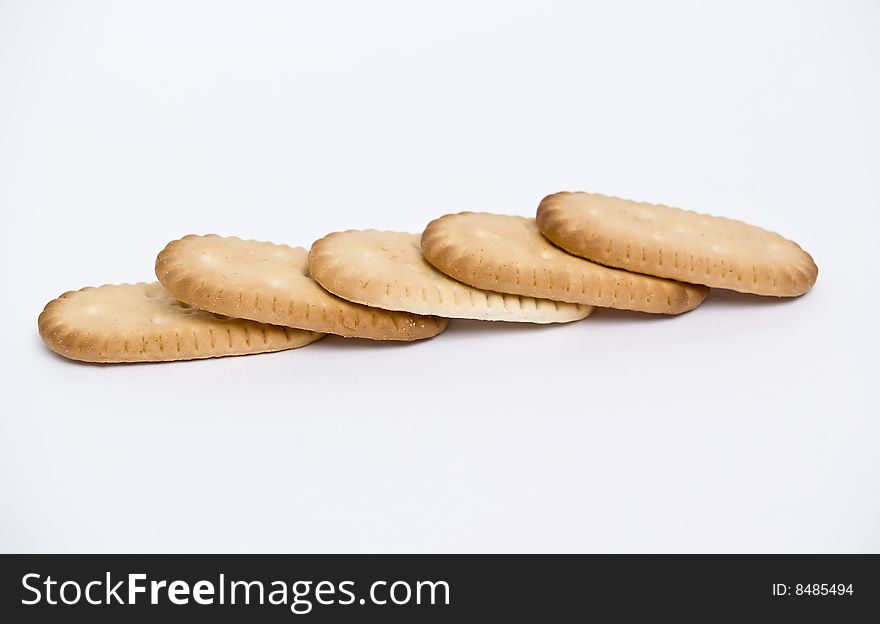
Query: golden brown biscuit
{"x": 144, "y": 323}
{"x": 386, "y": 269}
{"x": 270, "y": 283}
{"x": 508, "y": 254}
{"x": 676, "y": 244}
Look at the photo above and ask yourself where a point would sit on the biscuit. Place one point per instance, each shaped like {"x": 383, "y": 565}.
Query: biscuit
{"x": 509, "y": 254}
{"x": 386, "y": 269}
{"x": 270, "y": 283}
{"x": 144, "y": 323}
{"x": 676, "y": 244}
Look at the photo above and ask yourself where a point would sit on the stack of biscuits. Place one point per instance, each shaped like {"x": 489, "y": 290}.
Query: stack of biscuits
{"x": 219, "y": 296}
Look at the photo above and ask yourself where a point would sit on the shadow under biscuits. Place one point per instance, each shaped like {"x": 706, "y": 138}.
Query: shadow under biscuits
{"x": 613, "y": 316}
{"x": 733, "y": 300}
{"x": 717, "y": 298}
{"x": 457, "y": 327}
{"x": 473, "y": 327}
{"x": 340, "y": 343}
{"x": 600, "y": 316}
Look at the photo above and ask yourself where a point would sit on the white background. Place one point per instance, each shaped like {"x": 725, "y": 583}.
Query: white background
{"x": 748, "y": 425}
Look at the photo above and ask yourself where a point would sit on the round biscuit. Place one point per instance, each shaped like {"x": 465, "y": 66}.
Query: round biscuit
{"x": 386, "y": 269}
{"x": 676, "y": 244}
{"x": 141, "y": 322}
{"x": 508, "y": 254}
{"x": 270, "y": 283}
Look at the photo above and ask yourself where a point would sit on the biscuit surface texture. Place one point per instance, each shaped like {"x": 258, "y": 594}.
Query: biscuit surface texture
{"x": 509, "y": 254}
{"x": 676, "y": 244}
{"x": 144, "y": 323}
{"x": 270, "y": 283}
{"x": 387, "y": 269}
